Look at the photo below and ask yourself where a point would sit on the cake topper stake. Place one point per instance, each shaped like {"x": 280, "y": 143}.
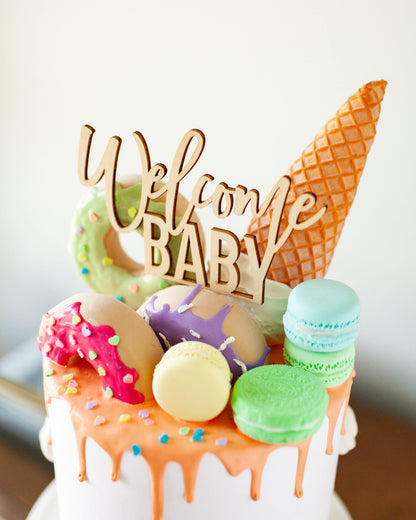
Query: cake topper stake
{"x": 224, "y": 275}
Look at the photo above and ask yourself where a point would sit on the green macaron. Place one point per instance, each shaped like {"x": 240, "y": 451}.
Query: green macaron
{"x": 332, "y": 368}
{"x": 279, "y": 404}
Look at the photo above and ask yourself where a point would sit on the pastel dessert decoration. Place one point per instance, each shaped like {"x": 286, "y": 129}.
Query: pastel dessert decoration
{"x": 97, "y": 252}
{"x": 322, "y": 315}
{"x": 108, "y": 335}
{"x": 279, "y": 404}
{"x": 331, "y": 168}
{"x": 192, "y": 381}
{"x": 332, "y": 368}
{"x": 181, "y": 313}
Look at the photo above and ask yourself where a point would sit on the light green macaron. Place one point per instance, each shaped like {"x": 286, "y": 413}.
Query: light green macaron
{"x": 332, "y": 368}
{"x": 279, "y": 404}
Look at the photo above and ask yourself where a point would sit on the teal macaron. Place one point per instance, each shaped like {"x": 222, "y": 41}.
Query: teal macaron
{"x": 332, "y": 368}
{"x": 322, "y": 315}
{"x": 279, "y": 404}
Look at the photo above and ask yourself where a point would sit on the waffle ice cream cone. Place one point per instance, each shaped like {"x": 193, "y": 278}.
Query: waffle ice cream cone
{"x": 331, "y": 168}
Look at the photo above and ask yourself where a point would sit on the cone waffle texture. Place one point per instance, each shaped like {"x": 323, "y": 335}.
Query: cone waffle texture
{"x": 331, "y": 168}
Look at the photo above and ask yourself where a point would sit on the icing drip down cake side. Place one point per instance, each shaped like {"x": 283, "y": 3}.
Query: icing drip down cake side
{"x": 152, "y": 466}
{"x": 177, "y": 392}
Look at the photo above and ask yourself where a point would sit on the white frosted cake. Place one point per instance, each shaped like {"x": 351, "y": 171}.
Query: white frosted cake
{"x": 217, "y": 490}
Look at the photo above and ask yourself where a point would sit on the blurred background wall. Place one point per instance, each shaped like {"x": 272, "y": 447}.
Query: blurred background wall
{"x": 260, "y": 79}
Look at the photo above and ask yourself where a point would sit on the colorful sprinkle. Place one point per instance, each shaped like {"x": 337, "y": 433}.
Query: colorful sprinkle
{"x": 86, "y": 332}
{"x": 114, "y": 340}
{"x": 79, "y": 229}
{"x": 61, "y": 389}
{"x": 198, "y": 435}
{"x": 107, "y": 260}
{"x": 83, "y": 248}
{"x": 128, "y": 379}
{"x": 135, "y": 448}
{"x": 185, "y": 307}
{"x": 73, "y": 382}
{"x": 144, "y": 414}
{"x": 93, "y": 216}
{"x": 49, "y": 372}
{"x": 82, "y": 257}
{"x": 163, "y": 284}
{"x": 99, "y": 420}
{"x": 132, "y": 212}
{"x": 117, "y": 197}
{"x": 84, "y": 270}
{"x": 119, "y": 298}
{"x": 149, "y": 421}
{"x": 71, "y": 390}
{"x": 75, "y": 319}
{"x": 164, "y": 438}
{"x": 101, "y": 371}
{"x": 92, "y": 355}
{"x": 59, "y": 344}
{"x": 109, "y": 392}
{"x": 184, "y": 431}
{"x": 134, "y": 288}
{"x": 72, "y": 339}
{"x": 125, "y": 417}
{"x": 222, "y": 442}
{"x": 226, "y": 342}
{"x": 91, "y": 405}
{"x": 67, "y": 377}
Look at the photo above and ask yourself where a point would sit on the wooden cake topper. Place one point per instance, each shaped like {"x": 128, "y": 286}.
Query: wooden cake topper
{"x": 224, "y": 275}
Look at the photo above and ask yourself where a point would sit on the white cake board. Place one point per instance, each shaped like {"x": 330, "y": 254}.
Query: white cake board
{"x": 46, "y": 506}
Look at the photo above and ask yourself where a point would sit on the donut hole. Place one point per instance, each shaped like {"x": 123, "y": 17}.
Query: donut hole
{"x": 132, "y": 245}
{"x": 126, "y": 250}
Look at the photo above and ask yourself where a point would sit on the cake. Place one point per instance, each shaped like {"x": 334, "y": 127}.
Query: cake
{"x": 112, "y": 456}
{"x": 203, "y": 405}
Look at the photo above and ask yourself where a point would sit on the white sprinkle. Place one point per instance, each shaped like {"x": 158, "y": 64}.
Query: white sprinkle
{"x": 72, "y": 339}
{"x": 194, "y": 333}
{"x": 184, "y": 308}
{"x": 165, "y": 341}
{"x": 146, "y": 317}
{"x": 241, "y": 365}
{"x": 229, "y": 340}
{"x": 184, "y": 339}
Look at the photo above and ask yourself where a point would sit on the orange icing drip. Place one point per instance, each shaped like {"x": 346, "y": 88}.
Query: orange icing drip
{"x": 337, "y": 396}
{"x": 117, "y": 437}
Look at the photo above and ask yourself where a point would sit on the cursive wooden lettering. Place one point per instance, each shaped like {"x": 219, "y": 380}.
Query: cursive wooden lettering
{"x": 188, "y": 267}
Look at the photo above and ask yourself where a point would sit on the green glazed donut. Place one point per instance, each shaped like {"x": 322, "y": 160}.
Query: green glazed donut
{"x": 98, "y": 255}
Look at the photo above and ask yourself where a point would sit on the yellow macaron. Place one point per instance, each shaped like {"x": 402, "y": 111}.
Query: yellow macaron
{"x": 192, "y": 381}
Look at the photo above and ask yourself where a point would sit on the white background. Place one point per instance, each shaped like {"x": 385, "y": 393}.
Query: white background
{"x": 260, "y": 79}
